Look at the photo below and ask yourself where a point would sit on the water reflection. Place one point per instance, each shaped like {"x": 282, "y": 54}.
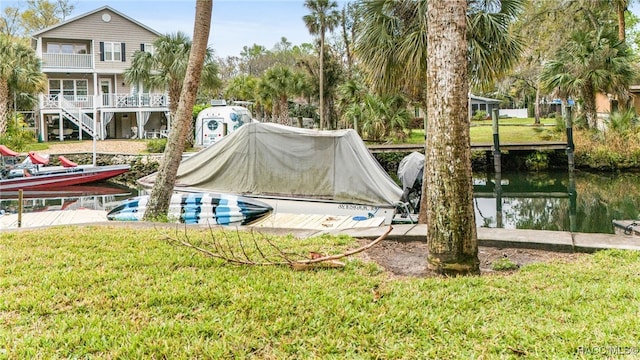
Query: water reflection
{"x": 98, "y": 196}
{"x": 541, "y": 201}
{"x": 555, "y": 201}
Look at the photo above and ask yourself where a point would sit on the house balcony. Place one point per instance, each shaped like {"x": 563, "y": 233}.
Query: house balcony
{"x": 105, "y": 101}
{"x": 56, "y": 101}
{"x": 67, "y": 61}
{"x": 151, "y": 100}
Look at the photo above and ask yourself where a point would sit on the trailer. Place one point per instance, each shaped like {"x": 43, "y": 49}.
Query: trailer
{"x": 218, "y": 121}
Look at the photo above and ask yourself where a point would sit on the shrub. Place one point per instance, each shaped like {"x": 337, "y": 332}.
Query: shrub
{"x": 479, "y": 115}
{"x": 156, "y": 145}
{"x": 17, "y": 136}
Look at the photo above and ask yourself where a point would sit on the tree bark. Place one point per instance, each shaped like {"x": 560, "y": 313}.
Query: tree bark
{"x": 4, "y": 105}
{"x": 284, "y": 110}
{"x": 322, "y": 119}
{"x": 451, "y": 229}
{"x": 620, "y": 9}
{"x": 589, "y": 104}
{"x": 165, "y": 180}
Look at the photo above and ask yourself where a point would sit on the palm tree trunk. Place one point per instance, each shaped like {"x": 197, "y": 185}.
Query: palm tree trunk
{"x": 448, "y": 201}
{"x": 4, "y": 107}
{"x": 322, "y": 119}
{"x": 621, "y": 7}
{"x": 284, "y": 110}
{"x": 589, "y": 103}
{"x": 166, "y": 176}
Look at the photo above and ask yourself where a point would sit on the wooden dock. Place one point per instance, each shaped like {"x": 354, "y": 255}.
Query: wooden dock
{"x": 539, "y": 146}
{"x": 52, "y": 218}
{"x": 279, "y": 220}
{"x": 315, "y": 222}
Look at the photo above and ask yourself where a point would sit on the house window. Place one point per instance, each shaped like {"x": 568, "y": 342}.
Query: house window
{"x": 149, "y": 48}
{"x": 53, "y": 48}
{"x": 112, "y": 51}
{"x": 73, "y": 90}
{"x": 66, "y": 48}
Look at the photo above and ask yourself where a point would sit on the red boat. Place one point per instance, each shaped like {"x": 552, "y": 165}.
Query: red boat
{"x": 34, "y": 172}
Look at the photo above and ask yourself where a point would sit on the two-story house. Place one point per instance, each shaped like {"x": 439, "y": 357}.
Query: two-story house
{"x": 84, "y": 59}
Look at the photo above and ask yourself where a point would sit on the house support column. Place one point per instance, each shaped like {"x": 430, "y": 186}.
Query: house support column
{"x": 43, "y": 129}
{"x": 60, "y": 127}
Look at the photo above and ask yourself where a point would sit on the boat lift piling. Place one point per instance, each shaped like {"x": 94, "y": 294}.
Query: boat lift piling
{"x": 570, "y": 145}
{"x": 497, "y": 162}
{"x": 20, "y": 209}
{"x": 497, "y": 165}
{"x": 571, "y": 165}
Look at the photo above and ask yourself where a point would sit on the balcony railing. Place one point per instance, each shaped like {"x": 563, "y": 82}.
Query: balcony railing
{"x": 156, "y": 100}
{"x": 55, "y": 101}
{"x": 67, "y": 61}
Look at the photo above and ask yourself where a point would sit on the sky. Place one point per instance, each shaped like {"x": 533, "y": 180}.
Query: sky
{"x": 234, "y": 23}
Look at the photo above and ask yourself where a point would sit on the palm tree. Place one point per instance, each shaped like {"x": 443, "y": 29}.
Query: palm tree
{"x": 166, "y": 67}
{"x": 163, "y": 187}
{"x": 392, "y": 43}
{"x": 242, "y": 87}
{"x": 351, "y": 94}
{"x": 447, "y": 203}
{"x": 279, "y": 79}
{"x": 324, "y": 17}
{"x": 591, "y": 62}
{"x": 19, "y": 73}
{"x": 384, "y": 116}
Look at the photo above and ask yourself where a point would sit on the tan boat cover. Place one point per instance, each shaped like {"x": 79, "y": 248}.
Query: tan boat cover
{"x": 270, "y": 159}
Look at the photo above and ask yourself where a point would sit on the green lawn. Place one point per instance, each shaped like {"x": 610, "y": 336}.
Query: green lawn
{"x": 510, "y": 131}
{"x": 102, "y": 292}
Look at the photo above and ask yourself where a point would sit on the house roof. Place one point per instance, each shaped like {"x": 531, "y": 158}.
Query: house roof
{"x": 484, "y": 99}
{"x": 106, "y": 7}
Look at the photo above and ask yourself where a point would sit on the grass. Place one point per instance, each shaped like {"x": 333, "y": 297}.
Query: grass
{"x": 508, "y": 134}
{"x": 106, "y": 292}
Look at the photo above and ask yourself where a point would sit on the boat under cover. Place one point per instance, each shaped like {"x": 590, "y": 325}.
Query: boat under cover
{"x": 293, "y": 170}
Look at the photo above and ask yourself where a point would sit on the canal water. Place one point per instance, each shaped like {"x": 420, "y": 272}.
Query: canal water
{"x": 554, "y": 201}
{"x": 541, "y": 201}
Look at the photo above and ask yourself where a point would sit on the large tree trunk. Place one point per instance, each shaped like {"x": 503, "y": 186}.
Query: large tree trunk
{"x": 163, "y": 188}
{"x": 448, "y": 201}
{"x": 322, "y": 119}
{"x": 4, "y": 107}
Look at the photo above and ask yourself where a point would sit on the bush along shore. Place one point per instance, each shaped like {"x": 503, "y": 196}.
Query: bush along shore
{"x": 594, "y": 151}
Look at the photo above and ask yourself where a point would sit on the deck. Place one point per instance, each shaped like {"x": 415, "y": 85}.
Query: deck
{"x": 539, "y": 146}
{"x": 315, "y": 222}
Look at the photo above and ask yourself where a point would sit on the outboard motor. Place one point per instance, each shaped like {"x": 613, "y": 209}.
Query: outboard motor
{"x": 410, "y": 173}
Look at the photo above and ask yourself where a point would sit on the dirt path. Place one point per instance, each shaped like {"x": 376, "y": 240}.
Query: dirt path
{"x": 102, "y": 146}
{"x": 409, "y": 258}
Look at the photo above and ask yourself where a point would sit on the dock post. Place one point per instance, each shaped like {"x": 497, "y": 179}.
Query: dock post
{"x": 20, "y": 208}
{"x": 570, "y": 145}
{"x": 497, "y": 162}
{"x": 571, "y": 165}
